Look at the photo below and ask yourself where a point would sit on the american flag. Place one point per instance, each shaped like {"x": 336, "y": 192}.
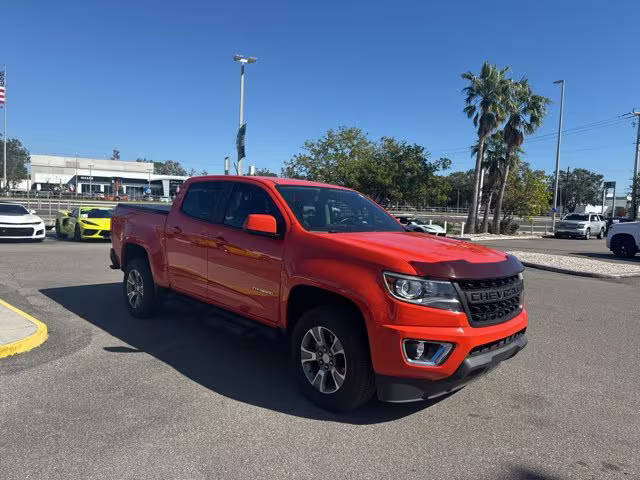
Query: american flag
{"x": 2, "y": 89}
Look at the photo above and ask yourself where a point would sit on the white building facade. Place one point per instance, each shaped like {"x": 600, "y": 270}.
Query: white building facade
{"x": 111, "y": 177}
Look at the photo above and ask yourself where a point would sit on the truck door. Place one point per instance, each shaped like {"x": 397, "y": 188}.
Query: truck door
{"x": 188, "y": 229}
{"x": 244, "y": 270}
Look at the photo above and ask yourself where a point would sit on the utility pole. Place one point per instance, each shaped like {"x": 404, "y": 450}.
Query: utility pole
{"x": 3, "y": 97}
{"x": 566, "y": 193}
{"x": 226, "y": 165}
{"x": 555, "y": 189}
{"x": 634, "y": 183}
{"x": 240, "y": 139}
{"x": 90, "y": 179}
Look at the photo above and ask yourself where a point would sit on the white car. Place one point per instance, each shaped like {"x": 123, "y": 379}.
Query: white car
{"x": 418, "y": 226}
{"x": 16, "y": 222}
{"x": 623, "y": 239}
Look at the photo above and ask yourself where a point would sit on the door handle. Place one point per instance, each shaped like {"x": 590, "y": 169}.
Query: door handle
{"x": 174, "y": 229}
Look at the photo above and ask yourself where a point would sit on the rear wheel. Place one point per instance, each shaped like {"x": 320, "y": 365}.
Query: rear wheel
{"x": 601, "y": 234}
{"x": 138, "y": 288}
{"x": 624, "y": 247}
{"x": 330, "y": 358}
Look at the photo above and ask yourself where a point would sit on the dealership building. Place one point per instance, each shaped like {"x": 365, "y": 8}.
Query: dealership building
{"x": 86, "y": 175}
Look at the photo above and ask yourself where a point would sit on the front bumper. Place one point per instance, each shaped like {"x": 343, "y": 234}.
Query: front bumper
{"x": 401, "y": 389}
{"x": 95, "y": 233}
{"x": 570, "y": 232}
{"x": 10, "y": 231}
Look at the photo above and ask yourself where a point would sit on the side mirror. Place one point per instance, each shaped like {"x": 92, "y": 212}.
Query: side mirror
{"x": 259, "y": 224}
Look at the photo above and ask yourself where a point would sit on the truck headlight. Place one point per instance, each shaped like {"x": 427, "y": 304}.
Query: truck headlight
{"x": 430, "y": 293}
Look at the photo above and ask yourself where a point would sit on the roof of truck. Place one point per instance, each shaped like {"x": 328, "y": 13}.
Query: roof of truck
{"x": 274, "y": 180}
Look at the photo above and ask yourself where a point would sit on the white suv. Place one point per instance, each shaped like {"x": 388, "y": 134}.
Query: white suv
{"x": 582, "y": 225}
{"x": 624, "y": 239}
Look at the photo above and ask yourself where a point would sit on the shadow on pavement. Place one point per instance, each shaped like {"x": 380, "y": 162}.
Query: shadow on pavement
{"x": 608, "y": 256}
{"x": 237, "y": 361}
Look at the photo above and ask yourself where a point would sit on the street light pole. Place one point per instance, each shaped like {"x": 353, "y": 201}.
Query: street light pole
{"x": 90, "y": 179}
{"x": 555, "y": 189}
{"x": 634, "y": 183}
{"x": 243, "y": 61}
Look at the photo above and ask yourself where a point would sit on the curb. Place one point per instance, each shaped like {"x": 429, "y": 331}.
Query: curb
{"x": 577, "y": 273}
{"x": 25, "y": 344}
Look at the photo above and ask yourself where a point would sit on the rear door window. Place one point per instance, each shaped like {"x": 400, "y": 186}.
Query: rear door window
{"x": 205, "y": 200}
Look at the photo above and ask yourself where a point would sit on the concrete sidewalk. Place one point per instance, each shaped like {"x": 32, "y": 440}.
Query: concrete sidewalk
{"x": 19, "y": 331}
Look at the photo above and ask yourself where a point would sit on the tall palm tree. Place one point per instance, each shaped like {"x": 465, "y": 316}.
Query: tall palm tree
{"x": 492, "y": 164}
{"x": 526, "y": 111}
{"x": 485, "y": 101}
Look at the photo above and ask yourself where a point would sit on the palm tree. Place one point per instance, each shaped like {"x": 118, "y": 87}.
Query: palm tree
{"x": 492, "y": 164}
{"x": 526, "y": 111}
{"x": 485, "y": 101}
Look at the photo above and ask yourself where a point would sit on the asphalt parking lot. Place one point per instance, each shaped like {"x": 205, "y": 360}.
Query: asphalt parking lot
{"x": 593, "y": 248}
{"x": 185, "y": 395}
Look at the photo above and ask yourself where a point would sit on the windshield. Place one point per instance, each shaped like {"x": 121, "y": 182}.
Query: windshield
{"x": 13, "y": 210}
{"x": 324, "y": 209}
{"x": 577, "y": 216}
{"x": 96, "y": 213}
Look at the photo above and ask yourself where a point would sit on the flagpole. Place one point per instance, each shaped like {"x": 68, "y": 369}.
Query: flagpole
{"x": 4, "y": 136}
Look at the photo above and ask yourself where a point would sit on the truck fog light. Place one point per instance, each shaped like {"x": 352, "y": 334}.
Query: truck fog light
{"x": 424, "y": 352}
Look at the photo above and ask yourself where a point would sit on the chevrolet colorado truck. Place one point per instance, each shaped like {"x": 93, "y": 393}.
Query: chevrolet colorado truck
{"x": 368, "y": 307}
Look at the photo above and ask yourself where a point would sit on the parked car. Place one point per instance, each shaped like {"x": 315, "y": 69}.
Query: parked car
{"x": 581, "y": 225}
{"x": 623, "y": 239}
{"x": 84, "y": 222}
{"x": 367, "y": 307}
{"x": 414, "y": 225}
{"x": 18, "y": 222}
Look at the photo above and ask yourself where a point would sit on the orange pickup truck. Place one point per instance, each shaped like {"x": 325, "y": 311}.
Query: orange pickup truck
{"x": 368, "y": 307}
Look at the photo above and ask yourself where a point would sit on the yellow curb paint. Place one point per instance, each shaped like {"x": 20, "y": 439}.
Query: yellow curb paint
{"x": 32, "y": 341}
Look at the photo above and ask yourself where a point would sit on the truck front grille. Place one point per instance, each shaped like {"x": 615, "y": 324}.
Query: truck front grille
{"x": 492, "y": 301}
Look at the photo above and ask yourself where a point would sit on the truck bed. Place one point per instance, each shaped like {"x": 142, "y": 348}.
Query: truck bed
{"x": 162, "y": 209}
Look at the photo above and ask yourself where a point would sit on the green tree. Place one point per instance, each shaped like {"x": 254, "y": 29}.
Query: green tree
{"x": 526, "y": 193}
{"x": 460, "y": 188}
{"x": 115, "y": 155}
{"x": 486, "y": 97}
{"x": 265, "y": 172}
{"x": 17, "y": 161}
{"x": 388, "y": 170}
{"x": 579, "y": 187}
{"x": 526, "y": 111}
{"x": 169, "y": 167}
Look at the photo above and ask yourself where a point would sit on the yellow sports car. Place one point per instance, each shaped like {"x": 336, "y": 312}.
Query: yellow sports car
{"x": 84, "y": 222}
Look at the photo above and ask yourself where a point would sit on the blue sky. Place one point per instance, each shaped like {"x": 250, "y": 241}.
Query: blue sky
{"x": 156, "y": 79}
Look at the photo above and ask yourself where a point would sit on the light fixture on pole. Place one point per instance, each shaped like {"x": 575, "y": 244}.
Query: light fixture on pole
{"x": 555, "y": 188}
{"x": 242, "y": 60}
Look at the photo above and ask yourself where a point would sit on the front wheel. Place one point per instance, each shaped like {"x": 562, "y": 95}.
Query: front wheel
{"x": 330, "y": 358}
{"x": 139, "y": 288}
{"x": 77, "y": 234}
{"x": 59, "y": 234}
{"x": 587, "y": 234}
{"x": 625, "y": 248}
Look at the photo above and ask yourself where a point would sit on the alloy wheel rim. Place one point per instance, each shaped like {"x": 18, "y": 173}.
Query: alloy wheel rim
{"x": 323, "y": 360}
{"x": 135, "y": 288}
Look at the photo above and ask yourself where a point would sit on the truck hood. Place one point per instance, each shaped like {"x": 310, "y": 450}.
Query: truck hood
{"x": 436, "y": 257}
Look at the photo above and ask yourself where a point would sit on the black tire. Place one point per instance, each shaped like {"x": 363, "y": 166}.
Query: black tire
{"x": 359, "y": 384}
{"x": 59, "y": 234}
{"x": 557, "y": 235}
{"x": 601, "y": 234}
{"x": 587, "y": 234}
{"x": 624, "y": 247}
{"x": 77, "y": 235}
{"x": 145, "y": 304}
